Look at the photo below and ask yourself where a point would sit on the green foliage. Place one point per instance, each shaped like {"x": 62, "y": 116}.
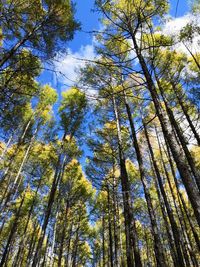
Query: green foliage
{"x": 72, "y": 110}
{"x": 56, "y": 209}
{"x": 43, "y": 24}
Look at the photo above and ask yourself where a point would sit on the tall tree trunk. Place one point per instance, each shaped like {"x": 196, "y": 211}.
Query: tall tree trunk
{"x": 35, "y": 235}
{"x": 6, "y": 147}
{"x": 45, "y": 252}
{"x": 181, "y": 138}
{"x": 180, "y": 216}
{"x": 164, "y": 214}
{"x": 63, "y": 235}
{"x": 174, "y": 226}
{"x": 57, "y": 177}
{"x": 185, "y": 112}
{"x": 154, "y": 227}
{"x": 12, "y": 232}
{"x": 110, "y": 227}
{"x": 192, "y": 55}
{"x": 11, "y": 160}
{"x": 181, "y": 200}
{"x": 130, "y": 229}
{"x": 103, "y": 240}
{"x": 178, "y": 156}
{"x": 23, "y": 238}
{"x": 68, "y": 246}
{"x": 75, "y": 249}
{"x": 115, "y": 219}
{"x": 53, "y": 240}
{"x": 13, "y": 188}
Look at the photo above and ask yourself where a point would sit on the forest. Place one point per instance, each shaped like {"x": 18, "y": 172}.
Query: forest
{"x": 106, "y": 173}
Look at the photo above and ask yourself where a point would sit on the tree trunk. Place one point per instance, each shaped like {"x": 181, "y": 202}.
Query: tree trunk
{"x": 185, "y": 112}
{"x": 174, "y": 226}
{"x": 22, "y": 242}
{"x": 178, "y": 156}
{"x": 130, "y": 229}
{"x": 103, "y": 240}
{"x": 58, "y": 173}
{"x": 63, "y": 235}
{"x": 180, "y": 216}
{"x": 115, "y": 219}
{"x": 157, "y": 242}
{"x": 164, "y": 214}
{"x": 45, "y": 252}
{"x": 110, "y": 228}
{"x": 12, "y": 232}
{"x": 68, "y": 245}
{"x": 75, "y": 250}
{"x": 181, "y": 138}
{"x": 13, "y": 188}
{"x": 53, "y": 241}
{"x": 181, "y": 199}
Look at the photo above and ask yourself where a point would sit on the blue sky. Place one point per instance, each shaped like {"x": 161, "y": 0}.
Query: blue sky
{"x": 82, "y": 44}
{"x": 180, "y": 5}
{"x": 89, "y": 19}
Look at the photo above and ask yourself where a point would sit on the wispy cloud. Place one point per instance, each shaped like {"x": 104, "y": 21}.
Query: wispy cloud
{"x": 173, "y": 27}
{"x": 68, "y": 64}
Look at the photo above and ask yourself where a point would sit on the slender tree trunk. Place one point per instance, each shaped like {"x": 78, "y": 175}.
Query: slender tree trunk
{"x": 192, "y": 55}
{"x": 168, "y": 230}
{"x": 57, "y": 177}
{"x": 6, "y": 147}
{"x": 23, "y": 238}
{"x": 53, "y": 241}
{"x": 36, "y": 233}
{"x": 196, "y": 237}
{"x": 130, "y": 229}
{"x": 185, "y": 112}
{"x": 45, "y": 252}
{"x": 13, "y": 187}
{"x": 157, "y": 242}
{"x": 181, "y": 138}
{"x": 110, "y": 228}
{"x": 180, "y": 216}
{"x": 67, "y": 263}
{"x": 174, "y": 226}
{"x": 103, "y": 240}
{"x": 63, "y": 235}
{"x": 11, "y": 160}
{"x": 115, "y": 219}
{"x": 178, "y": 156}
{"x": 122, "y": 257}
{"x": 164, "y": 214}
{"x": 75, "y": 250}
{"x": 12, "y": 232}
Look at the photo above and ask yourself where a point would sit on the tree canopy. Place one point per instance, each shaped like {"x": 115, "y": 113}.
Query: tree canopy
{"x": 110, "y": 178}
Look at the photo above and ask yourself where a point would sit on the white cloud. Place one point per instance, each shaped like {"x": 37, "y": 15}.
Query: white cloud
{"x": 68, "y": 64}
{"x": 173, "y": 26}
